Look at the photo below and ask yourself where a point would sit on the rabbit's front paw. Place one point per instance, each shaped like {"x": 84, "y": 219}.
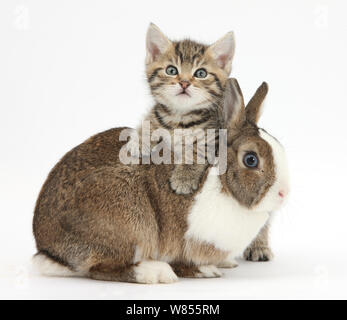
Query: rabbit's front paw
{"x": 149, "y": 271}
{"x": 209, "y": 271}
{"x": 184, "y": 184}
{"x": 228, "y": 264}
{"x": 258, "y": 254}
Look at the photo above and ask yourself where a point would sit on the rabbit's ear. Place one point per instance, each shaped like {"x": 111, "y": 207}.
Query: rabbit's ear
{"x": 234, "y": 106}
{"x": 156, "y": 43}
{"x": 255, "y": 106}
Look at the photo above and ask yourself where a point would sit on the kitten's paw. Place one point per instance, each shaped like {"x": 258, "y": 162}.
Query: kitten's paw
{"x": 209, "y": 271}
{"x": 258, "y": 254}
{"x": 183, "y": 184}
{"x": 151, "y": 272}
{"x": 228, "y": 264}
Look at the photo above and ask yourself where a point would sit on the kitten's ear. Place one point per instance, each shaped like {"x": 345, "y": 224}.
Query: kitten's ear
{"x": 223, "y": 51}
{"x": 156, "y": 43}
{"x": 234, "y": 106}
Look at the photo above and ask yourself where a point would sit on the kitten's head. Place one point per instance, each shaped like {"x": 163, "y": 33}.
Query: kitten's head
{"x": 187, "y": 75}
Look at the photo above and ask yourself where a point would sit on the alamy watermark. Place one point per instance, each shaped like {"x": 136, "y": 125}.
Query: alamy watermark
{"x": 180, "y": 146}
{"x": 21, "y": 17}
{"x": 321, "y": 17}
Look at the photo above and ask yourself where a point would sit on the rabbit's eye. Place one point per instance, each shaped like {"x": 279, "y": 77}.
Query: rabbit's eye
{"x": 200, "y": 73}
{"x": 250, "y": 160}
{"x": 171, "y": 70}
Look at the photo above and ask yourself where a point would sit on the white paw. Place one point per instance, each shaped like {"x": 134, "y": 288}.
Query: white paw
{"x": 151, "y": 271}
{"x": 228, "y": 264}
{"x": 46, "y": 266}
{"x": 209, "y": 271}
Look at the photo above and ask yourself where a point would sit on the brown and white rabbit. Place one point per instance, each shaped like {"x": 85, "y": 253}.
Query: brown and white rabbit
{"x": 98, "y": 218}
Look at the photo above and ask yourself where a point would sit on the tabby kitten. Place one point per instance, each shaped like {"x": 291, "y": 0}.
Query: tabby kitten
{"x": 187, "y": 81}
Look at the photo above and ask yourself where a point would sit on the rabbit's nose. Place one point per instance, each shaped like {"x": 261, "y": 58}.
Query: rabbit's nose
{"x": 282, "y": 193}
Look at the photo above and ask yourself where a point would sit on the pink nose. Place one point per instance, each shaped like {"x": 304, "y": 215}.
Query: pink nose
{"x": 282, "y": 193}
{"x": 184, "y": 84}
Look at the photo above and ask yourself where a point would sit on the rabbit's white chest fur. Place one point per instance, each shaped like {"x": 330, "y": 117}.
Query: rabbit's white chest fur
{"x": 218, "y": 219}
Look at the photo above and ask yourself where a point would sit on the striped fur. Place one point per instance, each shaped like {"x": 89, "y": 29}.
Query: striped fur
{"x": 200, "y": 109}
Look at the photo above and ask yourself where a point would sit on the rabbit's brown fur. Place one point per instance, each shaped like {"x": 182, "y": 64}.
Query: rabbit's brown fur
{"x": 82, "y": 218}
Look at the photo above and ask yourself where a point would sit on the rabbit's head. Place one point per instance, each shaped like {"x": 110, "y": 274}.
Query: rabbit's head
{"x": 257, "y": 174}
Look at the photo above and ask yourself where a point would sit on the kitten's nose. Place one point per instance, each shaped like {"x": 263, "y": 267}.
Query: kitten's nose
{"x": 184, "y": 84}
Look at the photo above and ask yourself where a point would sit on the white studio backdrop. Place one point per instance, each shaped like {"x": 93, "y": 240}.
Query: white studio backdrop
{"x": 70, "y": 69}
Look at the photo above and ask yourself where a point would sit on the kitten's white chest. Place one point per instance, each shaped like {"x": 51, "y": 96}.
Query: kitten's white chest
{"x": 218, "y": 219}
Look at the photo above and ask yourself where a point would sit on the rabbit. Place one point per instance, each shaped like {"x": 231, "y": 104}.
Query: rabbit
{"x": 98, "y": 218}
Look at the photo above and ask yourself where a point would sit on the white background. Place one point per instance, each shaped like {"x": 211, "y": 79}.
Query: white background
{"x": 70, "y": 69}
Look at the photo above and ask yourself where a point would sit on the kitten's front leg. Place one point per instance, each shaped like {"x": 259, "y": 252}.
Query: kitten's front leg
{"x": 186, "y": 178}
{"x": 259, "y": 249}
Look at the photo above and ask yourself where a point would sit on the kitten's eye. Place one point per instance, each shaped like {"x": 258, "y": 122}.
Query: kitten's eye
{"x": 200, "y": 73}
{"x": 250, "y": 160}
{"x": 171, "y": 70}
